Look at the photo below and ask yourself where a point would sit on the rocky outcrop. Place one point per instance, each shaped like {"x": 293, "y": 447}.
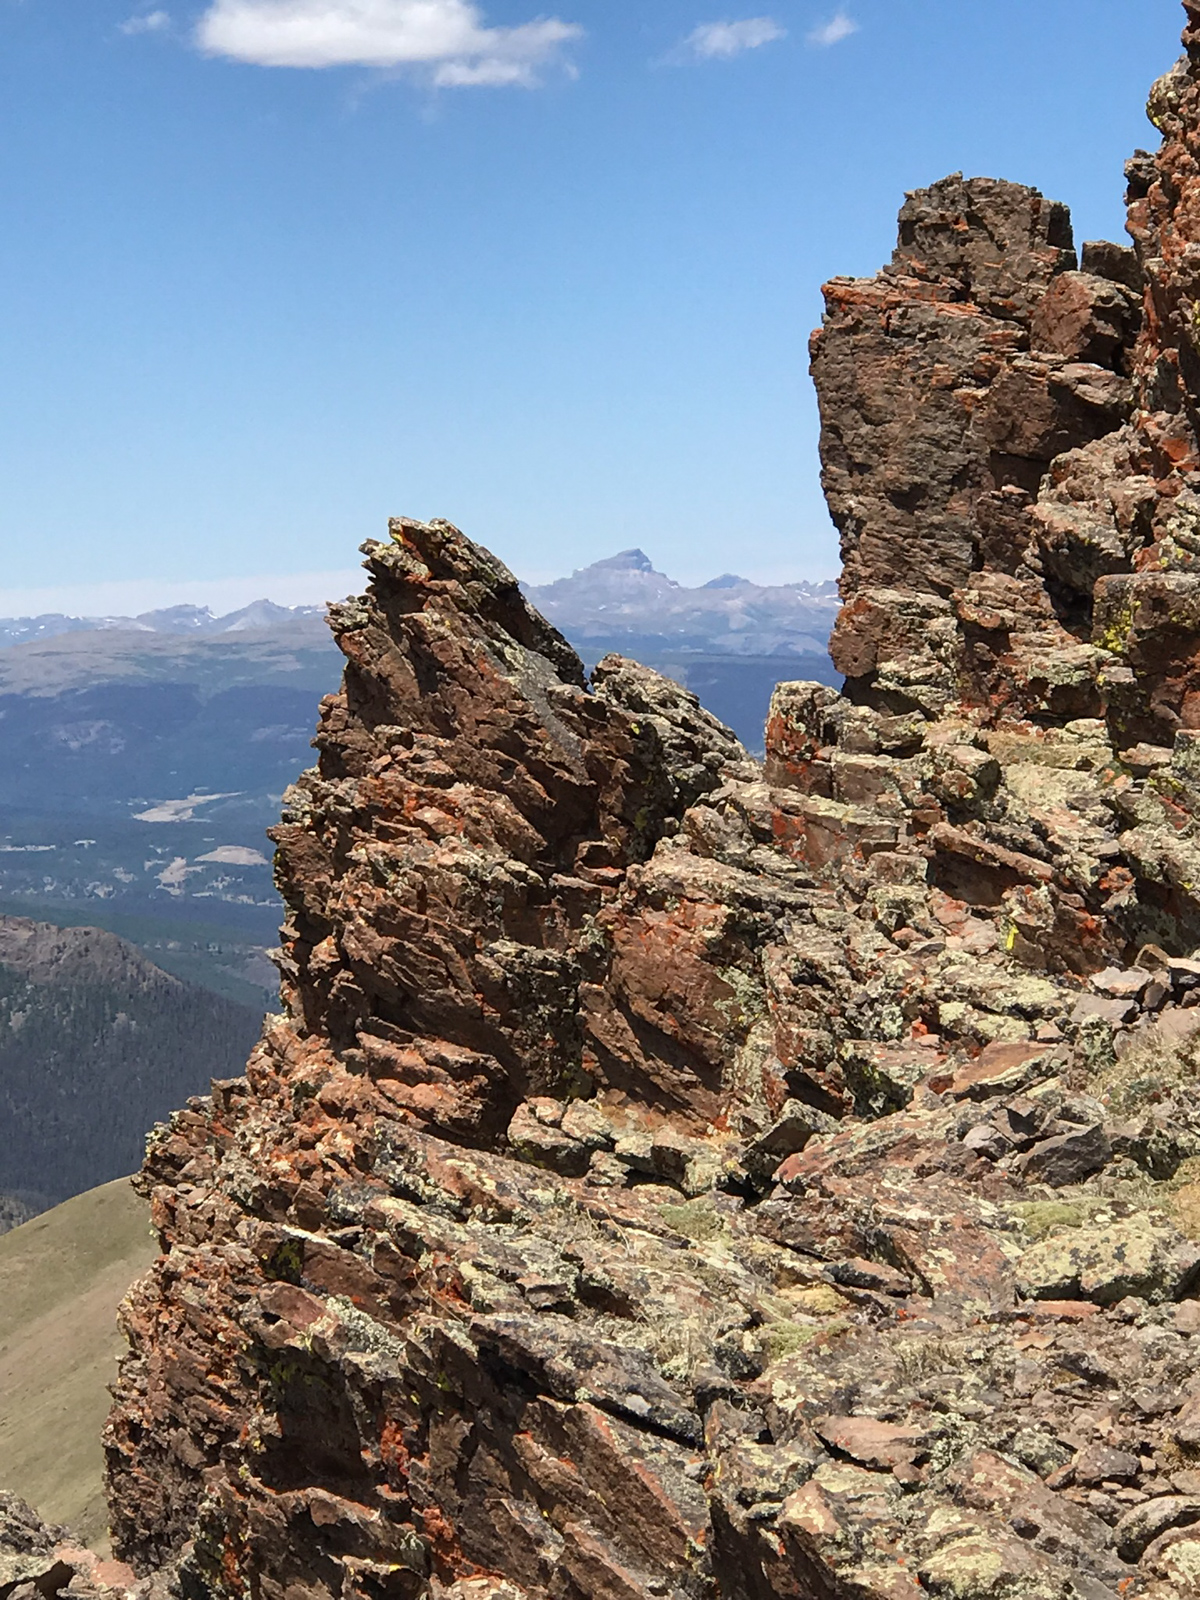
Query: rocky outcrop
{"x": 948, "y": 384}
{"x": 663, "y": 1179}
{"x": 1009, "y": 450}
{"x": 41, "y": 1562}
{"x": 671, "y": 1176}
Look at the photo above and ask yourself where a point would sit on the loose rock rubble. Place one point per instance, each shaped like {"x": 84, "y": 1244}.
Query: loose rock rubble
{"x": 38, "y": 1562}
{"x": 676, "y": 1176}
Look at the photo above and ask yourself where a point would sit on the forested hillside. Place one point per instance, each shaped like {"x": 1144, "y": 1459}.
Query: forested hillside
{"x": 96, "y": 1045}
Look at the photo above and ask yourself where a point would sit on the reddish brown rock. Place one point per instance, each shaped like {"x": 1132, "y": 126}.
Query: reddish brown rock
{"x": 673, "y": 1176}
{"x": 594, "y": 1219}
{"x": 947, "y": 386}
{"x": 39, "y": 1562}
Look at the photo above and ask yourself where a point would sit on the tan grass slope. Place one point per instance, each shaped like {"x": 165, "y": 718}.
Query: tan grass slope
{"x": 62, "y": 1276}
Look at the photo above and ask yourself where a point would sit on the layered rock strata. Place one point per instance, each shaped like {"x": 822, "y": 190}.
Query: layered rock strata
{"x": 1009, "y": 450}
{"x": 655, "y": 1184}
{"x": 669, "y": 1176}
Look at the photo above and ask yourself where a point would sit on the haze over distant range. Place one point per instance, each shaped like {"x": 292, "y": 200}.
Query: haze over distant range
{"x": 190, "y": 621}
{"x": 622, "y": 603}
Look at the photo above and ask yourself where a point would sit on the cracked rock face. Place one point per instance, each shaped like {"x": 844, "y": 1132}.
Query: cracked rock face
{"x": 674, "y": 1176}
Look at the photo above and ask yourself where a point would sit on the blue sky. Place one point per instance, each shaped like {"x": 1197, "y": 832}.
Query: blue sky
{"x": 549, "y": 274}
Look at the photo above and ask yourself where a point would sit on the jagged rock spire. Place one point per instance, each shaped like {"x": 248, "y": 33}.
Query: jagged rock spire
{"x": 673, "y": 1177}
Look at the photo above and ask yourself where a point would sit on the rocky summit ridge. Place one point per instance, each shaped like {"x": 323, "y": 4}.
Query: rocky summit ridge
{"x": 674, "y": 1176}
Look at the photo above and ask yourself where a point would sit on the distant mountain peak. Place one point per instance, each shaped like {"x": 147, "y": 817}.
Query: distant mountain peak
{"x": 184, "y": 621}
{"x": 261, "y": 614}
{"x": 178, "y": 619}
{"x": 624, "y": 561}
{"x": 625, "y": 605}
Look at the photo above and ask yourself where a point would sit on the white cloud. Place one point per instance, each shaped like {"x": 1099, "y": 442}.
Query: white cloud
{"x": 834, "y": 31}
{"x": 150, "y": 22}
{"x": 447, "y": 37}
{"x": 721, "y": 40}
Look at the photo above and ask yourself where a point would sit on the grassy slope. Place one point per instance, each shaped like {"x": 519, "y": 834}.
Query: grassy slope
{"x": 62, "y": 1277}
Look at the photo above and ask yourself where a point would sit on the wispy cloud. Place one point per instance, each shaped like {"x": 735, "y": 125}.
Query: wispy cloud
{"x": 719, "y": 41}
{"x": 838, "y": 27}
{"x": 447, "y": 38}
{"x": 148, "y": 22}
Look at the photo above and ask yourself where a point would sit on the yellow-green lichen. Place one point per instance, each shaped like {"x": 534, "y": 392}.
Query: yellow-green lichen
{"x": 1040, "y": 1218}
{"x": 1117, "y": 630}
{"x": 696, "y": 1219}
{"x": 782, "y": 1339}
{"x": 286, "y": 1261}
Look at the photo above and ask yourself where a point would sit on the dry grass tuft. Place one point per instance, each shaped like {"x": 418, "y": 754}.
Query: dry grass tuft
{"x": 1152, "y": 1070}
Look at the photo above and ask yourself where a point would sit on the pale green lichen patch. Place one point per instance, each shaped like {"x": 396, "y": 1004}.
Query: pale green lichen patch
{"x": 696, "y": 1219}
{"x": 783, "y": 1339}
{"x": 1041, "y": 1218}
{"x": 1105, "y": 1263}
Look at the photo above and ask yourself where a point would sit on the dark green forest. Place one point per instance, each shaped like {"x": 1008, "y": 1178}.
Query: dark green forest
{"x": 88, "y": 1067}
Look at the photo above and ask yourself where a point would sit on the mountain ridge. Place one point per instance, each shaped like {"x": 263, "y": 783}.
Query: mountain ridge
{"x": 97, "y": 1043}
{"x": 180, "y": 619}
{"x": 624, "y": 604}
{"x": 630, "y": 574}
